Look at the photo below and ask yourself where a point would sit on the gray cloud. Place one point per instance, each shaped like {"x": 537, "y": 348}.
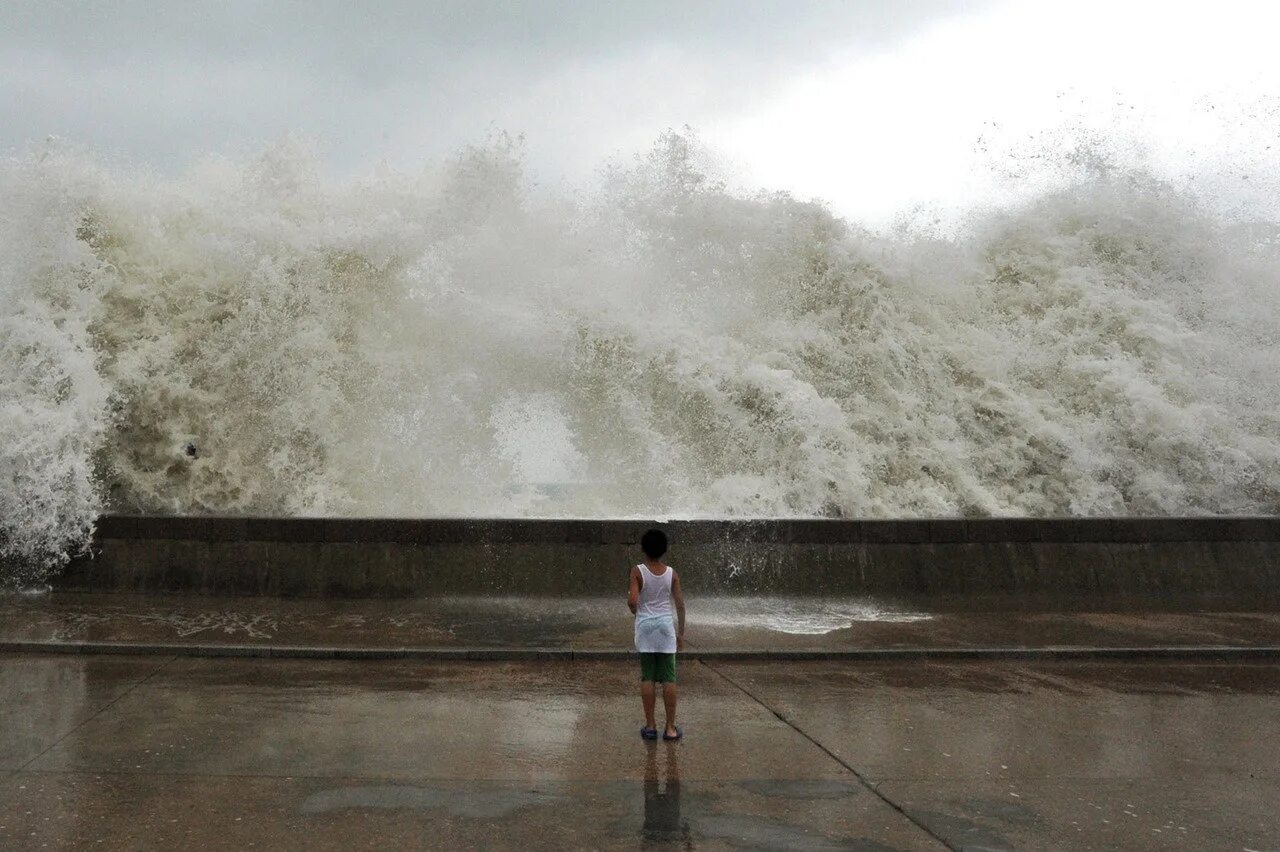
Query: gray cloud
{"x": 406, "y": 81}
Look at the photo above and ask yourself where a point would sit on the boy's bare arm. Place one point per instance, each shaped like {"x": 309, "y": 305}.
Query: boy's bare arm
{"x": 677, "y": 595}
{"x": 633, "y": 597}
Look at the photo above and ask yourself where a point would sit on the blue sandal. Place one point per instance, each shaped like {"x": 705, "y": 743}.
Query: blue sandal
{"x": 648, "y": 733}
{"x": 669, "y": 738}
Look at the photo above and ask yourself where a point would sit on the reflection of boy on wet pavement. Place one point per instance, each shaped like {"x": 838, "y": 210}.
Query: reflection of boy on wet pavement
{"x": 662, "y": 822}
{"x": 655, "y": 593}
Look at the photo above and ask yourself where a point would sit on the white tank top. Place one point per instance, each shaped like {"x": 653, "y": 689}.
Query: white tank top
{"x": 655, "y": 621}
{"x": 655, "y": 593}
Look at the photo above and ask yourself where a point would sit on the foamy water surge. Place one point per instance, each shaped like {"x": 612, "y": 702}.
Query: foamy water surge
{"x": 258, "y": 338}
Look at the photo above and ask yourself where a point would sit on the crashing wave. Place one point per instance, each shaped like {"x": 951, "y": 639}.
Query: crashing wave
{"x": 257, "y": 338}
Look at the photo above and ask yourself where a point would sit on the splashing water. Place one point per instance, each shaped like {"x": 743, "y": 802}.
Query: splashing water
{"x": 258, "y": 338}
{"x": 797, "y": 616}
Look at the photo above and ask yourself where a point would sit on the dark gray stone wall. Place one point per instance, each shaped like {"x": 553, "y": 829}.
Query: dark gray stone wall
{"x": 1103, "y": 563}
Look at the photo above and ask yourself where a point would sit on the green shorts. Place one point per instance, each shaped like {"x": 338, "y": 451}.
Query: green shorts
{"x": 660, "y": 668}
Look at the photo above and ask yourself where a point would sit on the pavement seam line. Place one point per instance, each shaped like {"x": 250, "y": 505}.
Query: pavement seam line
{"x": 95, "y": 714}
{"x": 862, "y": 779}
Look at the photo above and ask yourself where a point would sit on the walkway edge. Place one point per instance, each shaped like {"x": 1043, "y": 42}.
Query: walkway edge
{"x": 310, "y": 652}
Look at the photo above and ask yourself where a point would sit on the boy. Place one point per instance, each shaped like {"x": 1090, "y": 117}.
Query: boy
{"x": 655, "y": 588}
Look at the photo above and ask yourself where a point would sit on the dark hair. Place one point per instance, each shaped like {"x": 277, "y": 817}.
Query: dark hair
{"x": 654, "y": 543}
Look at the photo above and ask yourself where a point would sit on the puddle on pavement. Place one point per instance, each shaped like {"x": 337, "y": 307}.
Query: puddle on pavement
{"x": 811, "y": 789}
{"x": 961, "y": 832}
{"x": 490, "y": 804}
{"x": 755, "y": 832}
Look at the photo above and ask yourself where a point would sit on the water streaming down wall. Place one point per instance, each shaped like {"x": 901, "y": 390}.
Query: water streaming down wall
{"x": 257, "y": 338}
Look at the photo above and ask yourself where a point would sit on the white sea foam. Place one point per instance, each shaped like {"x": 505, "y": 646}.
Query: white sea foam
{"x": 453, "y": 343}
{"x": 800, "y": 616}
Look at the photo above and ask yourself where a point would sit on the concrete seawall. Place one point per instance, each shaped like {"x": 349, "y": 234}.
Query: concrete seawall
{"x": 1122, "y": 563}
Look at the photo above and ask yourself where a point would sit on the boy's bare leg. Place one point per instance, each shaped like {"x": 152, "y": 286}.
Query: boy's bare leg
{"x": 648, "y": 697}
{"x": 669, "y": 695}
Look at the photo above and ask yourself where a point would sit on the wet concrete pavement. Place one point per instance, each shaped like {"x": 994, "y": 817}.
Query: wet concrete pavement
{"x": 1067, "y": 755}
{"x": 716, "y": 623}
{"x": 127, "y": 752}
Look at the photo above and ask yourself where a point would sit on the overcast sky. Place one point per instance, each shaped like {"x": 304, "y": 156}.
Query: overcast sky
{"x": 874, "y": 106}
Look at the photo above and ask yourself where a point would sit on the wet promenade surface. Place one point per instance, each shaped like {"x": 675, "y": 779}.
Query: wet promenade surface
{"x": 167, "y": 752}
{"x": 715, "y": 624}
